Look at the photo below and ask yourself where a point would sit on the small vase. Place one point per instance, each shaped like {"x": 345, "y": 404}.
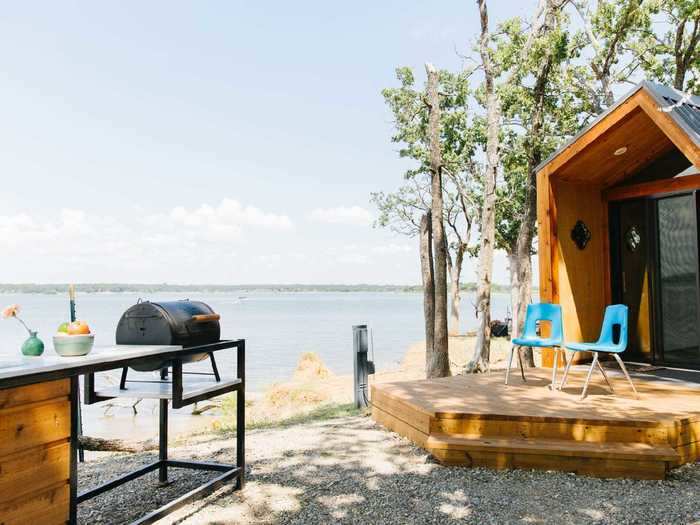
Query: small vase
{"x": 33, "y": 346}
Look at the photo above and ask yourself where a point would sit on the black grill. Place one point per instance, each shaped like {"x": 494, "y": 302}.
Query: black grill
{"x": 183, "y": 323}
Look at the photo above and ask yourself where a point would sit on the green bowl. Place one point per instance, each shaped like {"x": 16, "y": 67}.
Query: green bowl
{"x": 73, "y": 345}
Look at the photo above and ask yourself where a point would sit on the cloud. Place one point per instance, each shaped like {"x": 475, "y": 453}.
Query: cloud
{"x": 353, "y": 215}
{"x": 227, "y": 220}
{"x": 394, "y": 249}
{"x": 186, "y": 233}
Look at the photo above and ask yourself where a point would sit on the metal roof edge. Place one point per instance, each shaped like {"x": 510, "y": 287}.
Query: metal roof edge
{"x": 659, "y": 91}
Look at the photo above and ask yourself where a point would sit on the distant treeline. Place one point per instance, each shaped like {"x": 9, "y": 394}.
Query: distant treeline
{"x": 218, "y": 288}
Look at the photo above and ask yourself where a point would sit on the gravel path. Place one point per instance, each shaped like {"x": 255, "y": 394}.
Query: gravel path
{"x": 351, "y": 471}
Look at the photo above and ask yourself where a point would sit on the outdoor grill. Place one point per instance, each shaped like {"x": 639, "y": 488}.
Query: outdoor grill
{"x": 161, "y": 337}
{"x": 185, "y": 323}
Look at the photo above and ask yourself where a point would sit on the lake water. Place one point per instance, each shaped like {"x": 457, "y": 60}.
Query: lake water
{"x": 277, "y": 326}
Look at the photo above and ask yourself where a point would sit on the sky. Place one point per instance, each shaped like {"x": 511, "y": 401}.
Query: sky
{"x": 211, "y": 142}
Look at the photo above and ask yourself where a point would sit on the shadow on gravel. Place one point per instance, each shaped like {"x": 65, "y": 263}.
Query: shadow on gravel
{"x": 351, "y": 471}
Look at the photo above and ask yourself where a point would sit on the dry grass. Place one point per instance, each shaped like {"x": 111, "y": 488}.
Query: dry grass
{"x": 315, "y": 390}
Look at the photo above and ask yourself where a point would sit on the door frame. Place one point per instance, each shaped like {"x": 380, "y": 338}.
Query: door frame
{"x": 650, "y": 194}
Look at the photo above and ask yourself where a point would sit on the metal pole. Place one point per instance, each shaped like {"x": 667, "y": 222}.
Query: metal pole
{"x": 74, "y": 443}
{"x": 163, "y": 436}
{"x": 240, "y": 417}
{"x": 79, "y": 410}
{"x": 359, "y": 365}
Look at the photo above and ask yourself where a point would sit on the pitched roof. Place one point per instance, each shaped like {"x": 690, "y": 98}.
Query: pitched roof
{"x": 683, "y": 108}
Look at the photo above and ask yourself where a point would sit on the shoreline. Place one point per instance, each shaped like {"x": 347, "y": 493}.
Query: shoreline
{"x": 312, "y": 387}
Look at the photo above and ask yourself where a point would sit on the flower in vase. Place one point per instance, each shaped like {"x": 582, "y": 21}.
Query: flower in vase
{"x": 10, "y": 311}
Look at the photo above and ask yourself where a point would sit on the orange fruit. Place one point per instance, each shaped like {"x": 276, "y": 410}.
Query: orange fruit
{"x": 78, "y": 328}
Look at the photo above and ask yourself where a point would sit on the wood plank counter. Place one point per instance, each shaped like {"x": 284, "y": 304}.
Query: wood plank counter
{"x": 36, "y": 418}
{"x": 35, "y": 433}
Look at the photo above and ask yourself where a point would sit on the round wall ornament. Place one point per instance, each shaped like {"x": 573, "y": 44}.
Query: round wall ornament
{"x": 580, "y": 234}
{"x": 632, "y": 238}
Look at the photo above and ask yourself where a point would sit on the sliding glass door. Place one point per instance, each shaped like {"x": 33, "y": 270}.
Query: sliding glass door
{"x": 654, "y": 256}
{"x": 677, "y": 274}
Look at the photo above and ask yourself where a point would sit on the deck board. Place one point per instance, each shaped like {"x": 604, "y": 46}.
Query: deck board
{"x": 477, "y": 420}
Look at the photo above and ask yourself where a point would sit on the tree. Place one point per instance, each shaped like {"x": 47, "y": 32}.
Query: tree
{"x": 428, "y": 278}
{"x": 481, "y": 356}
{"x": 523, "y": 55}
{"x": 437, "y": 358}
{"x": 404, "y": 211}
{"x": 608, "y": 28}
{"x": 534, "y": 98}
{"x": 672, "y": 57}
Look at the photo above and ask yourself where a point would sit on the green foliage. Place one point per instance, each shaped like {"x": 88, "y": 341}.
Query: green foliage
{"x": 460, "y": 136}
{"x": 659, "y": 51}
{"x": 410, "y": 113}
{"x": 523, "y": 145}
{"x": 613, "y": 43}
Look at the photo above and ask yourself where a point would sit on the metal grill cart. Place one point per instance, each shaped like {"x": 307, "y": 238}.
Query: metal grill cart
{"x": 180, "y": 393}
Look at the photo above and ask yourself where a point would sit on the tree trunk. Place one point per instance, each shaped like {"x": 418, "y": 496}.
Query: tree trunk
{"x": 482, "y": 349}
{"x": 521, "y": 295}
{"x": 514, "y": 287}
{"x": 455, "y": 296}
{"x": 116, "y": 445}
{"x": 440, "y": 362}
{"x": 426, "y": 265}
{"x": 683, "y": 57}
{"x": 526, "y": 232}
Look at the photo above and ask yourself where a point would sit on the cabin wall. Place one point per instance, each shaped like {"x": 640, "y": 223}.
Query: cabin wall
{"x": 582, "y": 274}
{"x": 576, "y": 279}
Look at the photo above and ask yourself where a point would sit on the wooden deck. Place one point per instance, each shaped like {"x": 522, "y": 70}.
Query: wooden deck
{"x": 478, "y": 421}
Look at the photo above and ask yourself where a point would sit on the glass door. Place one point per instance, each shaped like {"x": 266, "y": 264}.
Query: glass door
{"x": 677, "y": 278}
{"x": 631, "y": 254}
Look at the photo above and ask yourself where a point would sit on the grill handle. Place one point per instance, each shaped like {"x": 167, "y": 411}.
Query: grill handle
{"x": 205, "y": 318}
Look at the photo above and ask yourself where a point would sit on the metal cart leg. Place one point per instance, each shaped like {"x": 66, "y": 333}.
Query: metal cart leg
{"x": 74, "y": 437}
{"x": 163, "y": 443}
{"x": 240, "y": 418}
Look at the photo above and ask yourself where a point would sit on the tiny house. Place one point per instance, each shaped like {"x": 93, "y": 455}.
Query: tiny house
{"x": 618, "y": 220}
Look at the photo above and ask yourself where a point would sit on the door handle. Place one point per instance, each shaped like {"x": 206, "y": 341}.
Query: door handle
{"x": 624, "y": 282}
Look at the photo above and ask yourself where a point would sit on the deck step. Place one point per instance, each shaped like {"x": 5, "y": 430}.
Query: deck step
{"x": 529, "y": 427}
{"x": 553, "y": 447}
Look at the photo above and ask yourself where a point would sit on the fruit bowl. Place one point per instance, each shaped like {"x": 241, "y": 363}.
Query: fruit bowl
{"x": 73, "y": 345}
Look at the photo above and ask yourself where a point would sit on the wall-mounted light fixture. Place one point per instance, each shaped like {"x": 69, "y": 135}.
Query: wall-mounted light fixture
{"x": 580, "y": 234}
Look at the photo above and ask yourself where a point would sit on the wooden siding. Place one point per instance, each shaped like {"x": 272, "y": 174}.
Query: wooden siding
{"x": 576, "y": 279}
{"x": 35, "y": 453}
{"x": 577, "y": 184}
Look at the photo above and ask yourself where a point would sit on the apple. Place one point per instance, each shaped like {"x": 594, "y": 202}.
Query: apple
{"x": 78, "y": 328}
{"x": 63, "y": 328}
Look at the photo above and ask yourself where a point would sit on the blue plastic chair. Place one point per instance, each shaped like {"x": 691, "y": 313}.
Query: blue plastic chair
{"x": 615, "y": 315}
{"x": 539, "y": 312}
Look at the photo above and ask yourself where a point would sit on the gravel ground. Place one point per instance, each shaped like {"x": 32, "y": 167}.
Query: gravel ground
{"x": 349, "y": 470}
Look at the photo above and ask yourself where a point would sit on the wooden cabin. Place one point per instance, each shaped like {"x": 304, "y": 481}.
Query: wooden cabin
{"x": 618, "y": 223}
